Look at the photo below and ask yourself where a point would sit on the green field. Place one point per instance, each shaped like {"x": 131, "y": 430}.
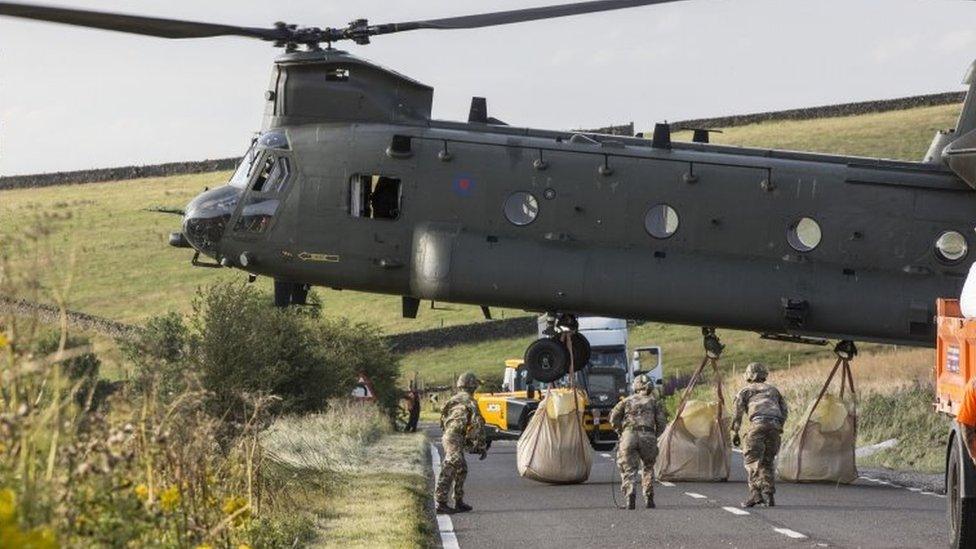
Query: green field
{"x": 123, "y": 268}
{"x": 903, "y": 135}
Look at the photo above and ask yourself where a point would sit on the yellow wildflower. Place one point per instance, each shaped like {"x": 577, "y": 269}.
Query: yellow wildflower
{"x": 204, "y": 546}
{"x": 8, "y": 505}
{"x": 243, "y": 546}
{"x": 169, "y": 498}
{"x": 234, "y": 504}
{"x": 3, "y": 340}
{"x": 142, "y": 492}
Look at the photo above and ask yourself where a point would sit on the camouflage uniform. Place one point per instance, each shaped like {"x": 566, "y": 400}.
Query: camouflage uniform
{"x": 766, "y": 411}
{"x": 464, "y": 429}
{"x": 639, "y": 419}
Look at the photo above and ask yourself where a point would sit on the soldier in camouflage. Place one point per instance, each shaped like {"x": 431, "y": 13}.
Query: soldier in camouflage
{"x": 639, "y": 419}
{"x": 464, "y": 429}
{"x": 766, "y": 412}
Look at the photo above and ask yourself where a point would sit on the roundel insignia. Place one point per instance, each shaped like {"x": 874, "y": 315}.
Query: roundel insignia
{"x": 463, "y": 186}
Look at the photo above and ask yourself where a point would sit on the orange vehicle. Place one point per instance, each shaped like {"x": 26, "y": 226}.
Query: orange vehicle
{"x": 955, "y": 367}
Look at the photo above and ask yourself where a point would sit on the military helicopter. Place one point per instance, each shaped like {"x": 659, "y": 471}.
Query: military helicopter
{"x": 353, "y": 185}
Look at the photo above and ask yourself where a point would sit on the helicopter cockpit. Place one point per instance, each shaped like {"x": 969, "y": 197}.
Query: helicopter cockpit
{"x": 260, "y": 179}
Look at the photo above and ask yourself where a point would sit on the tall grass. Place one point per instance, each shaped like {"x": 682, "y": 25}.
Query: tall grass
{"x": 133, "y": 469}
{"x": 337, "y": 440}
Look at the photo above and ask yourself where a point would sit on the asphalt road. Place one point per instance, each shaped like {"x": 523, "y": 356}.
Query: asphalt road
{"x": 514, "y": 512}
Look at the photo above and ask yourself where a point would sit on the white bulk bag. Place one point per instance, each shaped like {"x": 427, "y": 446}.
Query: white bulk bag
{"x": 554, "y": 447}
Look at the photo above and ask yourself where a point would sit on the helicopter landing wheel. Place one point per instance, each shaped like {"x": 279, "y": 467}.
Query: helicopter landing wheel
{"x": 547, "y": 360}
{"x": 581, "y": 350}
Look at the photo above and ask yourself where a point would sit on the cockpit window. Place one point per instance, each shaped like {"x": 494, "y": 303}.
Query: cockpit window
{"x": 262, "y": 201}
{"x": 243, "y": 173}
{"x": 272, "y": 176}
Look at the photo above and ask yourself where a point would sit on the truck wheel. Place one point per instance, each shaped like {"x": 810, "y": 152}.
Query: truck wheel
{"x": 962, "y": 512}
{"x": 547, "y": 360}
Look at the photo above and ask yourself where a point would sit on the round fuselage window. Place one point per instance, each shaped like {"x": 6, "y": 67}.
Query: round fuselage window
{"x": 951, "y": 246}
{"x": 521, "y": 208}
{"x": 661, "y": 221}
{"x": 804, "y": 235}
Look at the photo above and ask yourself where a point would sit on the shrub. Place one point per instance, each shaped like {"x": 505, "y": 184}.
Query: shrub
{"x": 243, "y": 344}
{"x": 158, "y": 354}
{"x": 355, "y": 349}
{"x": 237, "y": 343}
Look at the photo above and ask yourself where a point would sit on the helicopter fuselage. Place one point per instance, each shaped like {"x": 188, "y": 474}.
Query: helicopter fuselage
{"x": 378, "y": 197}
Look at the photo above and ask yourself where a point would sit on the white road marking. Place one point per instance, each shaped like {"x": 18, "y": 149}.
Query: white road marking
{"x": 608, "y": 456}
{"x": 736, "y": 511}
{"x": 446, "y": 529}
{"x": 914, "y": 489}
{"x": 695, "y": 495}
{"x": 790, "y": 533}
{"x": 666, "y": 483}
{"x": 445, "y": 526}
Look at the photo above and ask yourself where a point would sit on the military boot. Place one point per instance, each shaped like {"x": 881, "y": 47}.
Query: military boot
{"x": 443, "y": 509}
{"x": 461, "y": 507}
{"x": 753, "y": 501}
{"x": 632, "y": 501}
{"x": 770, "y": 501}
{"x": 649, "y": 502}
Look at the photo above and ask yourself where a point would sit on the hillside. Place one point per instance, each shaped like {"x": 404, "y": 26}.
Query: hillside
{"x": 902, "y": 135}
{"x": 124, "y": 268}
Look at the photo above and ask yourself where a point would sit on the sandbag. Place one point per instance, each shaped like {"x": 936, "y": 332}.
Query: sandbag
{"x": 694, "y": 446}
{"x": 554, "y": 447}
{"x": 822, "y": 447}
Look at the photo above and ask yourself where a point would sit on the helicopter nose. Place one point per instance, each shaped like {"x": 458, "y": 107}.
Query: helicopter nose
{"x": 207, "y": 217}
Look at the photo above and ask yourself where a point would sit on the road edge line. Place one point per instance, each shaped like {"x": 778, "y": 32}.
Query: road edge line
{"x": 445, "y": 526}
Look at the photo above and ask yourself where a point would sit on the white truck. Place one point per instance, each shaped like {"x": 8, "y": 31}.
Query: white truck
{"x": 608, "y": 338}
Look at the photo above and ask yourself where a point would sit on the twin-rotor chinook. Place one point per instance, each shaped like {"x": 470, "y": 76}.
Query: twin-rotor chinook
{"x": 352, "y": 185}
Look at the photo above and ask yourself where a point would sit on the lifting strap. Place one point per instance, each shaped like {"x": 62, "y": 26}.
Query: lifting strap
{"x": 846, "y": 380}
{"x": 695, "y": 378}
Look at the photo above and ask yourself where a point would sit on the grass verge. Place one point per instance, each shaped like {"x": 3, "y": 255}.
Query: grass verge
{"x": 361, "y": 484}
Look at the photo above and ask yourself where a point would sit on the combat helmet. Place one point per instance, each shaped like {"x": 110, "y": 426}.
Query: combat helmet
{"x": 641, "y": 384}
{"x": 756, "y": 372}
{"x": 468, "y": 380}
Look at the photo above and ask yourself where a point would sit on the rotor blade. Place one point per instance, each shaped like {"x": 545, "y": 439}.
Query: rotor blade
{"x": 521, "y": 16}
{"x": 133, "y": 24}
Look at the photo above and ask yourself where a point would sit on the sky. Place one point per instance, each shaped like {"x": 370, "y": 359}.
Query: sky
{"x": 74, "y": 98}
